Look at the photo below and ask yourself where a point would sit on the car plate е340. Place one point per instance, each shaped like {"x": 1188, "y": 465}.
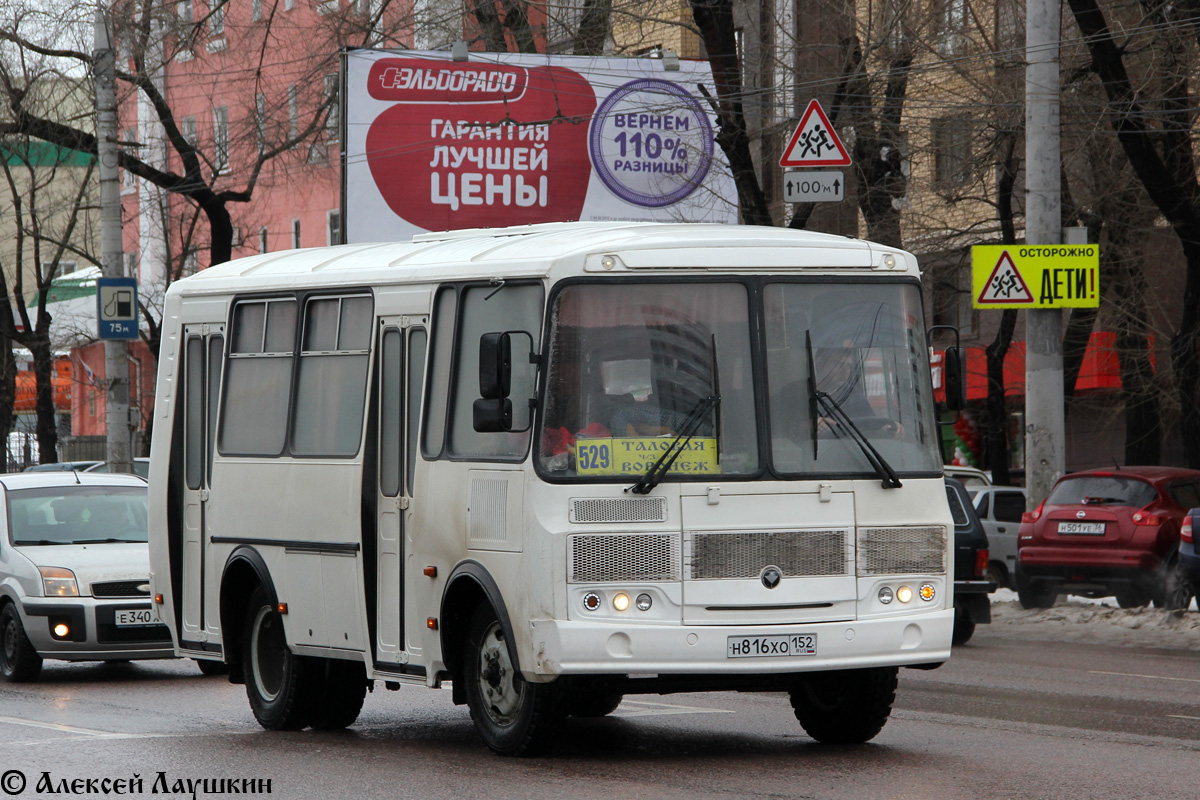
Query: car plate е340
{"x": 135, "y": 618}
{"x": 1081, "y": 527}
{"x": 788, "y": 644}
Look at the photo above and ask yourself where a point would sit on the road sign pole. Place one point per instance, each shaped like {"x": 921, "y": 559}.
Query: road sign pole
{"x": 116, "y": 352}
{"x": 1045, "y": 457}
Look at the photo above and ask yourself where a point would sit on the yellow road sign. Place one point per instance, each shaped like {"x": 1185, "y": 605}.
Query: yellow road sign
{"x": 1036, "y": 276}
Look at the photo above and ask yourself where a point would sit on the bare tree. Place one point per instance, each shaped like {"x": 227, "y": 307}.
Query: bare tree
{"x": 153, "y": 36}
{"x": 48, "y": 201}
{"x": 1145, "y": 75}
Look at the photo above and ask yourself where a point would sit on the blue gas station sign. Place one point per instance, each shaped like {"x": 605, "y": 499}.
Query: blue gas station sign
{"x": 116, "y": 308}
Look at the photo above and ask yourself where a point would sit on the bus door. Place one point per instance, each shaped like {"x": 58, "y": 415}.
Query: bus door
{"x": 402, "y": 344}
{"x": 204, "y": 352}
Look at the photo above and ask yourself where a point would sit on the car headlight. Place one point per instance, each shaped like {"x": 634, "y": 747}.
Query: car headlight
{"x": 58, "y": 582}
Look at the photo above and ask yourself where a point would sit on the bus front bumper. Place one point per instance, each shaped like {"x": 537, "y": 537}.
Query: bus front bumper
{"x": 606, "y": 648}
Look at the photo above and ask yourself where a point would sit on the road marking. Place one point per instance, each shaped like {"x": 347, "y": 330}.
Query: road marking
{"x": 55, "y": 726}
{"x": 1181, "y": 716}
{"x": 1136, "y": 675}
{"x": 646, "y": 708}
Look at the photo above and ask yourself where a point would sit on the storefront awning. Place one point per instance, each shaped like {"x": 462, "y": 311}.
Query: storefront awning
{"x": 1100, "y": 372}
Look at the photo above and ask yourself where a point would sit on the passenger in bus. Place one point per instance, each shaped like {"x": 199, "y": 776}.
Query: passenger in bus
{"x": 647, "y": 419}
{"x": 840, "y": 375}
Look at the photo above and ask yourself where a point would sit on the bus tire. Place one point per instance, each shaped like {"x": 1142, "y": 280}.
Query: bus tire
{"x": 593, "y": 705}
{"x": 846, "y": 706}
{"x": 208, "y": 667}
{"x": 279, "y": 684}
{"x": 513, "y": 717}
{"x": 19, "y": 662}
{"x": 341, "y": 697}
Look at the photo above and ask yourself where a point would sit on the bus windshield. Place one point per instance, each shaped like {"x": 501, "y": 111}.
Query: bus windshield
{"x": 862, "y": 347}
{"x": 629, "y": 363}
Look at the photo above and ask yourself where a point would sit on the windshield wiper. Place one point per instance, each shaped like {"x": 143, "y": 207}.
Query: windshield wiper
{"x": 831, "y": 407}
{"x": 662, "y": 466}
{"x": 110, "y": 540}
{"x": 812, "y": 390}
{"x": 37, "y": 542}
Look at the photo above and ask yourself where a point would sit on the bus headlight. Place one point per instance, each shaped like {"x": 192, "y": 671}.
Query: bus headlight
{"x": 886, "y": 595}
{"x": 644, "y": 601}
{"x": 904, "y": 594}
{"x": 621, "y": 601}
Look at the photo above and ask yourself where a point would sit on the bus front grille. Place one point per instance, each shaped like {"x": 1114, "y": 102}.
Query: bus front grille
{"x": 901, "y": 551}
{"x": 745, "y": 554}
{"x": 618, "y": 509}
{"x": 623, "y": 557}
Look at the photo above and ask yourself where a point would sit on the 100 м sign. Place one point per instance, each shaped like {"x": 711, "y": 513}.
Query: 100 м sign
{"x": 811, "y": 186}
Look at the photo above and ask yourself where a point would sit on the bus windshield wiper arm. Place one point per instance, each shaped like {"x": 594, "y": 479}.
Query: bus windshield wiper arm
{"x": 662, "y": 466}
{"x": 882, "y": 468}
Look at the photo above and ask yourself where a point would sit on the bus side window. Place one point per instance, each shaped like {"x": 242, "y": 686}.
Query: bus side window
{"x": 488, "y": 309}
{"x": 417, "y": 342}
{"x": 258, "y": 379}
{"x": 438, "y": 387}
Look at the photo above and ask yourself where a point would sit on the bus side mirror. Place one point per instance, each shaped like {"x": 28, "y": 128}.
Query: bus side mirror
{"x": 492, "y": 415}
{"x": 495, "y": 365}
{"x": 955, "y": 372}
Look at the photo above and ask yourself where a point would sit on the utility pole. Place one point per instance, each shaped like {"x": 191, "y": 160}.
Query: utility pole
{"x": 1045, "y": 458}
{"x": 116, "y": 352}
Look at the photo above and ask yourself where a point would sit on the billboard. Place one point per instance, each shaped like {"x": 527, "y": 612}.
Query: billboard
{"x": 433, "y": 144}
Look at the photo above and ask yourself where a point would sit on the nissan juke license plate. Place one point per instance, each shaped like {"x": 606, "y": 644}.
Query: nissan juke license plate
{"x": 788, "y": 644}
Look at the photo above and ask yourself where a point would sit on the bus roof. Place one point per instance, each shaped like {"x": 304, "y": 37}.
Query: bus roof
{"x": 534, "y": 250}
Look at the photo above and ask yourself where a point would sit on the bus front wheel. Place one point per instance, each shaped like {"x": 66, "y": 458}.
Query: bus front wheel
{"x": 279, "y": 684}
{"x": 514, "y": 717}
{"x": 847, "y": 706}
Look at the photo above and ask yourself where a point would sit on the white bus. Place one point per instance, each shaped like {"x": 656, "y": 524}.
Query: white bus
{"x": 554, "y": 465}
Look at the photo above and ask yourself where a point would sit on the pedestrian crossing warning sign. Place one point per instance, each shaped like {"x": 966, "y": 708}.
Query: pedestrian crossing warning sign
{"x": 1035, "y": 276}
{"x": 815, "y": 143}
{"x": 1005, "y": 284}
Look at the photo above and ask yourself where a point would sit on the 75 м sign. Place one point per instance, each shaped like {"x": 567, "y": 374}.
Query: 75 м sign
{"x": 116, "y": 308}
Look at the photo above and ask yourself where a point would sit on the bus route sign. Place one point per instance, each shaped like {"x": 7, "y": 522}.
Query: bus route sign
{"x": 116, "y": 308}
{"x": 634, "y": 455}
{"x": 1036, "y": 276}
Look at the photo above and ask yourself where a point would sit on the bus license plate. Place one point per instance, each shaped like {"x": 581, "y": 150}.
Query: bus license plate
{"x": 135, "y": 619}
{"x": 790, "y": 644}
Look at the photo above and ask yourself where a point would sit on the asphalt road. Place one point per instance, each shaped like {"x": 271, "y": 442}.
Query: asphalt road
{"x": 1005, "y": 719}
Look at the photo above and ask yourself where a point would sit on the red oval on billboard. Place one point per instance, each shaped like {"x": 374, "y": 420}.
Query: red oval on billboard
{"x": 417, "y": 80}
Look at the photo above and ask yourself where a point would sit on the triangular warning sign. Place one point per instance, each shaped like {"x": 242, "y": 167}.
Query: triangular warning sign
{"x": 1005, "y": 284}
{"x": 815, "y": 143}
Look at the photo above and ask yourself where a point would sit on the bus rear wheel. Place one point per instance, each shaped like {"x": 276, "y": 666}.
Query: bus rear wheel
{"x": 514, "y": 717}
{"x": 847, "y": 706}
{"x": 279, "y": 684}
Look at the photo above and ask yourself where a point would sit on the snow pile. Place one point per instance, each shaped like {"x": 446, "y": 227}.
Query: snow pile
{"x": 1079, "y": 619}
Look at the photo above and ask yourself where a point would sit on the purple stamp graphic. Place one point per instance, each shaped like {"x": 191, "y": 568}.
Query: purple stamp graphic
{"x": 651, "y": 143}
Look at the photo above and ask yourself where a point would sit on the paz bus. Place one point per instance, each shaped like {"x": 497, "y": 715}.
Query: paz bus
{"x": 554, "y": 465}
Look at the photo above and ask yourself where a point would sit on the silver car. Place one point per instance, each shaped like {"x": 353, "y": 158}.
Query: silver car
{"x": 999, "y": 509}
{"x": 74, "y": 572}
